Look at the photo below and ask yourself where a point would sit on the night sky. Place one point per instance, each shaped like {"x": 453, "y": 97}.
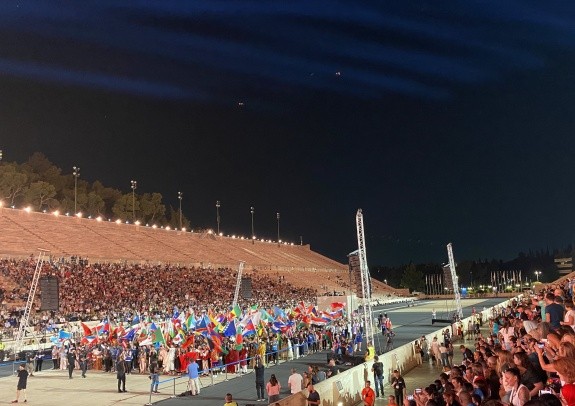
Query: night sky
{"x": 448, "y": 121}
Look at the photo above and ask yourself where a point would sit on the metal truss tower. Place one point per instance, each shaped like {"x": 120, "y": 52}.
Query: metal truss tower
{"x": 29, "y": 303}
{"x": 455, "y": 281}
{"x": 238, "y": 284}
{"x": 365, "y": 278}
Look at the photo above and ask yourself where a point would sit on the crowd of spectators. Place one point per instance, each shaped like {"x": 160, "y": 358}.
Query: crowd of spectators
{"x": 120, "y": 291}
{"x": 526, "y": 359}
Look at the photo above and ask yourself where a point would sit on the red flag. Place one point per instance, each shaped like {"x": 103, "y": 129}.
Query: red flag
{"x": 337, "y": 306}
{"x": 87, "y": 330}
{"x": 189, "y": 341}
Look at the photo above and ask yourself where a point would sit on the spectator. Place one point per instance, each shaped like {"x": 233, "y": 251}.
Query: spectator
{"x": 229, "y": 400}
{"x": 295, "y": 381}
{"x": 367, "y": 394}
{"x": 273, "y": 388}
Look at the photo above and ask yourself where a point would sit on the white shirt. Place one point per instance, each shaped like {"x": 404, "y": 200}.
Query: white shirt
{"x": 295, "y": 382}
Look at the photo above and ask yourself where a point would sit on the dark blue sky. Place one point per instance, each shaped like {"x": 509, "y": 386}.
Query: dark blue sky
{"x": 443, "y": 122}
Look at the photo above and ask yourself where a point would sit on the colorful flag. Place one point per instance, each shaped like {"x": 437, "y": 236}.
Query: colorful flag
{"x": 236, "y": 312}
{"x": 249, "y": 329}
{"x": 158, "y": 337}
{"x": 230, "y": 330}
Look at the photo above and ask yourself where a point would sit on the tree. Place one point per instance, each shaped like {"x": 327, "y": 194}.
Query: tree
{"x": 174, "y": 220}
{"x": 40, "y": 194}
{"x": 124, "y": 207}
{"x": 94, "y": 204}
{"x": 109, "y": 195}
{"x": 152, "y": 207}
{"x": 13, "y": 182}
{"x": 412, "y": 278}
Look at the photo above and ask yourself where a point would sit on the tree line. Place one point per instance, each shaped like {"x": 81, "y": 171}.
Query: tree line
{"x": 475, "y": 272}
{"x": 40, "y": 184}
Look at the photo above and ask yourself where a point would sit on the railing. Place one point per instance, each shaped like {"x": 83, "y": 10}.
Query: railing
{"x": 222, "y": 369}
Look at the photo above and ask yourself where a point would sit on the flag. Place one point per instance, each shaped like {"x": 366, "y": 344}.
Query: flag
{"x": 89, "y": 340}
{"x": 279, "y": 313}
{"x": 87, "y": 330}
{"x": 266, "y": 317}
{"x": 236, "y": 312}
{"x": 249, "y": 329}
{"x": 104, "y": 327}
{"x": 158, "y": 337}
{"x": 230, "y": 330}
{"x": 202, "y": 325}
{"x": 189, "y": 341}
{"x": 337, "y": 306}
{"x": 191, "y": 322}
{"x": 129, "y": 336}
{"x": 147, "y": 341}
{"x": 216, "y": 341}
{"x": 64, "y": 335}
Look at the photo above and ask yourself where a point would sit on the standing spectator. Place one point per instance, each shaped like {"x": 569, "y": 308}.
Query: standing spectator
{"x": 259, "y": 372}
{"x": 30, "y": 360}
{"x": 367, "y": 394}
{"x": 569, "y": 318}
{"x": 398, "y": 385}
{"x": 377, "y": 370}
{"x": 22, "y": 381}
{"x": 194, "y": 378}
{"x": 39, "y": 360}
{"x": 424, "y": 348}
{"x": 71, "y": 360}
{"x": 154, "y": 375}
{"x": 121, "y": 373}
{"x": 295, "y": 381}
{"x": 389, "y": 340}
{"x": 553, "y": 311}
{"x": 273, "y": 388}
{"x": 313, "y": 398}
{"x": 83, "y": 362}
{"x": 55, "y": 357}
{"x": 418, "y": 352}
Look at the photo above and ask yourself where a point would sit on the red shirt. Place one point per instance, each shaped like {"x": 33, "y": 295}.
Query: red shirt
{"x": 368, "y": 396}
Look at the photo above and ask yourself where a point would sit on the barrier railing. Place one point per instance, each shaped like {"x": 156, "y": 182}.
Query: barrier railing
{"x": 222, "y": 369}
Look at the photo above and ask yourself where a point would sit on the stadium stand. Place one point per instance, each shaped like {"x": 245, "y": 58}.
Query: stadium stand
{"x": 106, "y": 241}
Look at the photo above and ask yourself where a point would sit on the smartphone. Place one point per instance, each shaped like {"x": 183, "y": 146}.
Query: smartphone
{"x": 409, "y": 397}
{"x": 418, "y": 390}
{"x": 540, "y": 345}
{"x": 545, "y": 391}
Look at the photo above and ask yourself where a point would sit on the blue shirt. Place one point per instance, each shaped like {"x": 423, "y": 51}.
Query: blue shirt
{"x": 193, "y": 370}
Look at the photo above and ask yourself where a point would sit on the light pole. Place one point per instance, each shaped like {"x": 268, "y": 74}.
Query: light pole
{"x": 278, "y": 217}
{"x": 253, "y": 234}
{"x": 218, "y": 215}
{"x": 134, "y": 186}
{"x": 180, "y": 199}
{"x": 76, "y": 175}
{"x": 537, "y": 273}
